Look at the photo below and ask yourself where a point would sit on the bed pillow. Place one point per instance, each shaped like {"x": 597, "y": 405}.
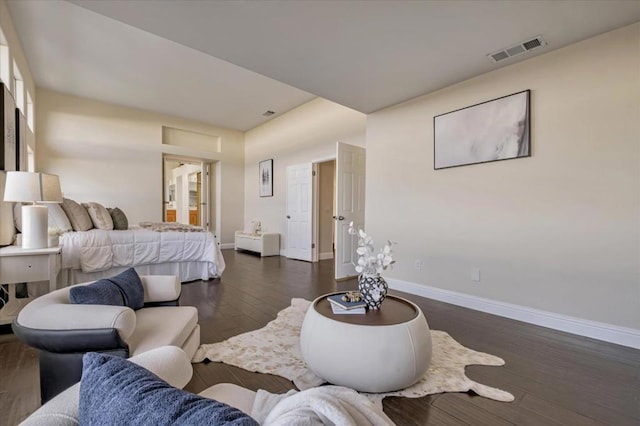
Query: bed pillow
{"x": 99, "y": 215}
{"x": 58, "y": 218}
{"x": 78, "y": 216}
{"x": 102, "y": 292}
{"x": 114, "y": 391}
{"x": 120, "y": 221}
{"x": 17, "y": 216}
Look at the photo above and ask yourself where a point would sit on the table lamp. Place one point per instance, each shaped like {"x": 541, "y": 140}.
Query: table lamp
{"x": 25, "y": 187}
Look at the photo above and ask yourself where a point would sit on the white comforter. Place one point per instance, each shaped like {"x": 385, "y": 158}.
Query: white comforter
{"x": 98, "y": 250}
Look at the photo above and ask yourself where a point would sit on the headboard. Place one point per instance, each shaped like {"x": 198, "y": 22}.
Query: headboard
{"x": 7, "y": 227}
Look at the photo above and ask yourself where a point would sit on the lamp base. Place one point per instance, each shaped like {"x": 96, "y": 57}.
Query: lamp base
{"x": 35, "y": 221}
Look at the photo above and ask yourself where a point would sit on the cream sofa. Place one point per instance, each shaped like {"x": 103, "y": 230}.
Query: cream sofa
{"x": 64, "y": 332}
{"x": 315, "y": 406}
{"x": 169, "y": 363}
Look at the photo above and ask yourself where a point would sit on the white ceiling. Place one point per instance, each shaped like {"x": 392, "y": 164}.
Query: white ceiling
{"x": 169, "y": 56}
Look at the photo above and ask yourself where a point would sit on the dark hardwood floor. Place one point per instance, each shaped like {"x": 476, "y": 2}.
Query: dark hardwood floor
{"x": 556, "y": 378}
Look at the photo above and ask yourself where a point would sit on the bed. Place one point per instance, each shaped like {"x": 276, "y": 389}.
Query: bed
{"x": 186, "y": 251}
{"x": 93, "y": 254}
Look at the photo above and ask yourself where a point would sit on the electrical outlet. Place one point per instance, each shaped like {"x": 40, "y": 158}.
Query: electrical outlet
{"x": 418, "y": 265}
{"x": 475, "y": 275}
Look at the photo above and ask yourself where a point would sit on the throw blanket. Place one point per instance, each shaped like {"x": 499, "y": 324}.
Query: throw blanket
{"x": 325, "y": 405}
{"x": 98, "y": 250}
{"x": 170, "y": 227}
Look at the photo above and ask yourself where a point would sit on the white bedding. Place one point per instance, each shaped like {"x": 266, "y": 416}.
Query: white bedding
{"x": 99, "y": 250}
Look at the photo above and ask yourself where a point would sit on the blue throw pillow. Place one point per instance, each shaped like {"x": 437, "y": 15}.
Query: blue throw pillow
{"x": 131, "y": 287}
{"x": 99, "y": 293}
{"x": 114, "y": 391}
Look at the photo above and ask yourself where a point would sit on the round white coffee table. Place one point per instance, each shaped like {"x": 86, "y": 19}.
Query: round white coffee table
{"x": 380, "y": 351}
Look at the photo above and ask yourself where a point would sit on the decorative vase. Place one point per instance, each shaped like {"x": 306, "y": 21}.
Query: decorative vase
{"x": 373, "y": 289}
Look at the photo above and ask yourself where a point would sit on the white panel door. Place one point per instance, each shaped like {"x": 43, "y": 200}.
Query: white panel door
{"x": 299, "y": 212}
{"x": 350, "y": 193}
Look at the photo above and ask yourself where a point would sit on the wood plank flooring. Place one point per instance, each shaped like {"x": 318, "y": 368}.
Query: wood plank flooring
{"x": 556, "y": 378}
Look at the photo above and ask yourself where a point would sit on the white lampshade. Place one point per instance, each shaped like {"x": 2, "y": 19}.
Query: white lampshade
{"x": 32, "y": 187}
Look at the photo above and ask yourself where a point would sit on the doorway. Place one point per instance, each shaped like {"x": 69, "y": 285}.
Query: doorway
{"x": 185, "y": 191}
{"x": 310, "y": 204}
{"x": 324, "y": 209}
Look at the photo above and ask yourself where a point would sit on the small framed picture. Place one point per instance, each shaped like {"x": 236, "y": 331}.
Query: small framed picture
{"x": 266, "y": 178}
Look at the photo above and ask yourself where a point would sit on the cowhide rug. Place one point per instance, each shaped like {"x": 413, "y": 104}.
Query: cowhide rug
{"x": 275, "y": 349}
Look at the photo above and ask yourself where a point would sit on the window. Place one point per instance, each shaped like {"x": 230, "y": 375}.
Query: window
{"x": 4, "y": 64}
{"x": 30, "y": 111}
{"x": 31, "y": 160}
{"x": 5, "y": 70}
{"x": 18, "y": 87}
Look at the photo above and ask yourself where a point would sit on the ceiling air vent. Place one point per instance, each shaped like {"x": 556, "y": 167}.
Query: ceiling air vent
{"x": 517, "y": 49}
{"x": 268, "y": 113}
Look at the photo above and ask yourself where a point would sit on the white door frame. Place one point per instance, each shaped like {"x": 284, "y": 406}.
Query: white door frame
{"x": 316, "y": 205}
{"x": 205, "y": 193}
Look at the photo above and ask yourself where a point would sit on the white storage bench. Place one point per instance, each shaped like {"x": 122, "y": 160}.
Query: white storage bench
{"x": 265, "y": 243}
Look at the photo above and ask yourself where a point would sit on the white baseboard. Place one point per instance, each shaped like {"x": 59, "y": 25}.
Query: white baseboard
{"x": 224, "y": 246}
{"x": 596, "y": 330}
{"x": 325, "y": 256}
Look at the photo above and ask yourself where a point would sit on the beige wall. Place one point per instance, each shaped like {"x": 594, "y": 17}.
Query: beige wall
{"x": 559, "y": 231}
{"x": 113, "y": 155}
{"x": 306, "y": 134}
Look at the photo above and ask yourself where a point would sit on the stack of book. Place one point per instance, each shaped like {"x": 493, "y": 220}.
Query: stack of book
{"x": 339, "y": 306}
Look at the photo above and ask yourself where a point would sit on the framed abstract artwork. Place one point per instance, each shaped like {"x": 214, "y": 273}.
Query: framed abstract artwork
{"x": 266, "y": 178}
{"x": 494, "y": 130}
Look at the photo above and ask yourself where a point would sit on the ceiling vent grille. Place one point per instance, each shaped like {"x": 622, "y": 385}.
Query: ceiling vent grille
{"x": 268, "y": 113}
{"x": 517, "y": 49}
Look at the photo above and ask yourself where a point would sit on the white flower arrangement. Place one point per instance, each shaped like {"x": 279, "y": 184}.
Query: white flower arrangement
{"x": 370, "y": 263}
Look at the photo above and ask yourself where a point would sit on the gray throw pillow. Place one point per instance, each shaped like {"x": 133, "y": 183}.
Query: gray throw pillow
{"x": 101, "y": 292}
{"x": 120, "y": 221}
{"x": 125, "y": 289}
{"x": 114, "y": 391}
{"x": 131, "y": 288}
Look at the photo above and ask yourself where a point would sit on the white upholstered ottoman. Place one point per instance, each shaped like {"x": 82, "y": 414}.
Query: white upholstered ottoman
{"x": 380, "y": 351}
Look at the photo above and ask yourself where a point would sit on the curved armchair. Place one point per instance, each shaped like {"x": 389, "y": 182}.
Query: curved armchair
{"x": 63, "y": 332}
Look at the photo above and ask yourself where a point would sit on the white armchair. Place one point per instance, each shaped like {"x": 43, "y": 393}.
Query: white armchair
{"x": 64, "y": 332}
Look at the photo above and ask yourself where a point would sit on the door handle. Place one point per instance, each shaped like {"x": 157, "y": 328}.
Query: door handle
{"x": 288, "y": 217}
{"x": 340, "y": 217}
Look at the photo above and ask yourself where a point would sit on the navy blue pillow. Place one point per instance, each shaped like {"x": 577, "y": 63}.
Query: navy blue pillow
{"x": 131, "y": 288}
{"x": 125, "y": 289}
{"x": 114, "y": 391}
{"x": 99, "y": 293}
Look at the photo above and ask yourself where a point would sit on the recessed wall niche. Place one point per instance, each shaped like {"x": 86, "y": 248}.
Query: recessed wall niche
{"x": 191, "y": 139}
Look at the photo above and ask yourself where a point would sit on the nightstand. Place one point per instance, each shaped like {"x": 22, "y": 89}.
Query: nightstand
{"x": 18, "y": 265}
